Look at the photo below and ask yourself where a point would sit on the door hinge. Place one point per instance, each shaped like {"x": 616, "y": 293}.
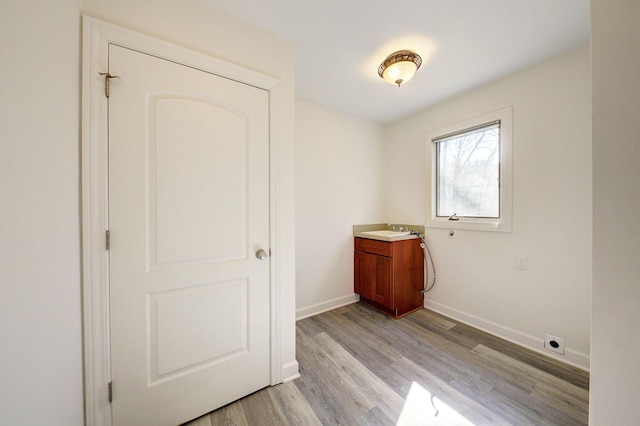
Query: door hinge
{"x": 108, "y": 240}
{"x": 107, "y": 82}
{"x": 110, "y": 392}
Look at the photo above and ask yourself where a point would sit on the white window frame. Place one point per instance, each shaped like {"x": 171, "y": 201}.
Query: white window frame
{"x": 504, "y": 221}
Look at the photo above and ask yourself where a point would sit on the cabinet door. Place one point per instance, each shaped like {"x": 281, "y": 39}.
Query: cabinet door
{"x": 363, "y": 274}
{"x": 381, "y": 267}
{"x": 373, "y": 278}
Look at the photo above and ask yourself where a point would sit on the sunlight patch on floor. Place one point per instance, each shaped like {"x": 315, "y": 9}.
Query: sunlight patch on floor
{"x": 423, "y": 408}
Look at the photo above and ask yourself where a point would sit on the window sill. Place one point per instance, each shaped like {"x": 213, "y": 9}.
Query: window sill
{"x": 491, "y": 225}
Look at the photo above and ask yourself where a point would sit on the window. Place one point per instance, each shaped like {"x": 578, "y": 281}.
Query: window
{"x": 471, "y": 174}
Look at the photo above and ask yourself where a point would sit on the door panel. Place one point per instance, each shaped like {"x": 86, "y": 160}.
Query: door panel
{"x": 179, "y": 345}
{"x": 191, "y": 173}
{"x": 363, "y": 274}
{"x": 188, "y": 208}
{"x": 382, "y": 280}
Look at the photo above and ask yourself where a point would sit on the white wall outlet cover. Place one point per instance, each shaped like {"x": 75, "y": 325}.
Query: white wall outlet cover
{"x": 554, "y": 343}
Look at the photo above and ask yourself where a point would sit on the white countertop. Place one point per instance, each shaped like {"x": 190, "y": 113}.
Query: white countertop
{"x": 383, "y": 232}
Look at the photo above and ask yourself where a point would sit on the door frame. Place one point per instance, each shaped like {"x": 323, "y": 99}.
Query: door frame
{"x": 97, "y": 36}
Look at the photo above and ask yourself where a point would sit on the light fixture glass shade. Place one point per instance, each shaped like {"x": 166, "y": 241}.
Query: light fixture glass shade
{"x": 400, "y": 67}
{"x": 400, "y": 72}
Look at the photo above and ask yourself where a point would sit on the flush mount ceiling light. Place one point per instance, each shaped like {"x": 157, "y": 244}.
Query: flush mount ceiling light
{"x": 399, "y": 67}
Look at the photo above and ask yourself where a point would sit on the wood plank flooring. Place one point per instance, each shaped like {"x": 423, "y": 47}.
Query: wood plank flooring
{"x": 360, "y": 367}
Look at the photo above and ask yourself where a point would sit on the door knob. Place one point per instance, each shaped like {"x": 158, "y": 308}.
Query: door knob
{"x": 261, "y": 254}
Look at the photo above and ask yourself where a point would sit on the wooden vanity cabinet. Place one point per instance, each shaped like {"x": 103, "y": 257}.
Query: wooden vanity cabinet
{"x": 389, "y": 275}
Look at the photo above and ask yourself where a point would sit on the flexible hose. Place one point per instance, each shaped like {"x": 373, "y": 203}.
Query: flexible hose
{"x": 426, "y": 251}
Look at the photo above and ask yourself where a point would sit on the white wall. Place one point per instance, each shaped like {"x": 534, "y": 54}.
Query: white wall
{"x": 40, "y": 331}
{"x": 477, "y": 279}
{"x": 339, "y": 183}
{"x": 615, "y": 347}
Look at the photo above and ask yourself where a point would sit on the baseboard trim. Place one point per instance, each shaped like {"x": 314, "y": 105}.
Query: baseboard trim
{"x": 319, "y": 308}
{"x": 574, "y": 358}
{"x": 290, "y": 371}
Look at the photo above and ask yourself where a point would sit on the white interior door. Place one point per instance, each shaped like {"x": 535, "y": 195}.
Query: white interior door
{"x": 188, "y": 210}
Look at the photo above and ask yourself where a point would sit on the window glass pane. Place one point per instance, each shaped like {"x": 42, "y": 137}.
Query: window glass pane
{"x": 468, "y": 172}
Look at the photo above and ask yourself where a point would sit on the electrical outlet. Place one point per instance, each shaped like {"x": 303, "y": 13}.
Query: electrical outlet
{"x": 521, "y": 263}
{"x": 554, "y": 343}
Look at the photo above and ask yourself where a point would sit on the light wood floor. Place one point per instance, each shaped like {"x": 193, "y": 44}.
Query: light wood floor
{"x": 360, "y": 367}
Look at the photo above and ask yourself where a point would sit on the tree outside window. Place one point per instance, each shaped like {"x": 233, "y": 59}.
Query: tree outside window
{"x": 468, "y": 173}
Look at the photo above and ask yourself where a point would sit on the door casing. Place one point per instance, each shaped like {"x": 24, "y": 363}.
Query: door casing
{"x": 97, "y": 36}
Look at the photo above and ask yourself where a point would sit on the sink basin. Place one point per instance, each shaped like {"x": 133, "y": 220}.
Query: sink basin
{"x": 387, "y": 233}
{"x": 383, "y": 231}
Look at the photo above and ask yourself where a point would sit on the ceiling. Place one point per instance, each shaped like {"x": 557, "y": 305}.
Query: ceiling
{"x": 339, "y": 45}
